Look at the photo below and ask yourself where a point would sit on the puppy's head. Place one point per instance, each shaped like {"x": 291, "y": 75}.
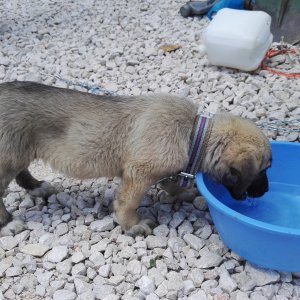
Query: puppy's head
{"x": 245, "y": 157}
{"x": 245, "y": 172}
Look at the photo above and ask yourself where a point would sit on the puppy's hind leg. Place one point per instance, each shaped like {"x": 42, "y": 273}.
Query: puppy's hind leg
{"x": 134, "y": 185}
{"x": 8, "y": 225}
{"x": 35, "y": 187}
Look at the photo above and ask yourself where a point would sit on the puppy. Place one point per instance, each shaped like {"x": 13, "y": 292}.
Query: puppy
{"x": 140, "y": 139}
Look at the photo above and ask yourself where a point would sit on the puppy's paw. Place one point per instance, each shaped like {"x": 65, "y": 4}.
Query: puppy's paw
{"x": 44, "y": 191}
{"x": 144, "y": 227}
{"x": 13, "y": 227}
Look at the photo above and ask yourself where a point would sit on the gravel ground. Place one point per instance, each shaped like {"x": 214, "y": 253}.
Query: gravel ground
{"x": 72, "y": 248}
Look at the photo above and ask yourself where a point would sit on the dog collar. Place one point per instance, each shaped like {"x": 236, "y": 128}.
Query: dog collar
{"x": 199, "y": 139}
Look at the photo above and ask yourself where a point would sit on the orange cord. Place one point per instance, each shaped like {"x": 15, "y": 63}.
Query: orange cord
{"x": 272, "y": 53}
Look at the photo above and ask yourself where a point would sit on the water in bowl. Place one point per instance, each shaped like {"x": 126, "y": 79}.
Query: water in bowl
{"x": 280, "y": 206}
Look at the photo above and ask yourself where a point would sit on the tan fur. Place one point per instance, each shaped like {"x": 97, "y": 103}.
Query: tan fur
{"x": 140, "y": 139}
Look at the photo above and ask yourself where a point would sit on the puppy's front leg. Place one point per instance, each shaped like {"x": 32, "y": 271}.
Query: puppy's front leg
{"x": 135, "y": 184}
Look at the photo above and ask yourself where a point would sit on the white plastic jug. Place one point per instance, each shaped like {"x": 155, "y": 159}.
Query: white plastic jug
{"x": 238, "y": 38}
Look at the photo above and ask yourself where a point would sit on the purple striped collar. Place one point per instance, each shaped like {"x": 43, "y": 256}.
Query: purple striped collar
{"x": 200, "y": 135}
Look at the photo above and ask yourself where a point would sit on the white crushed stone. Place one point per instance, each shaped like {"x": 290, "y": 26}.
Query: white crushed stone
{"x": 72, "y": 248}
{"x": 8, "y": 242}
{"x": 57, "y": 254}
{"x": 64, "y": 295}
{"x": 37, "y": 250}
{"x": 105, "y": 224}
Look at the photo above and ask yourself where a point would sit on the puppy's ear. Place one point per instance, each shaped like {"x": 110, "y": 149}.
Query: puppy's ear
{"x": 232, "y": 177}
{"x": 242, "y": 166}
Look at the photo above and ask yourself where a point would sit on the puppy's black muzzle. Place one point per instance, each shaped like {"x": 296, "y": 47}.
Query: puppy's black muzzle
{"x": 258, "y": 187}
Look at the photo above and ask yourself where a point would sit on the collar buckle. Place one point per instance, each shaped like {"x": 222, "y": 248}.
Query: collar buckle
{"x": 186, "y": 175}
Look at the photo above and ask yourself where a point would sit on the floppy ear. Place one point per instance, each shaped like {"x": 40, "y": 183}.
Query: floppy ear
{"x": 243, "y": 167}
{"x": 231, "y": 177}
{"x": 237, "y": 169}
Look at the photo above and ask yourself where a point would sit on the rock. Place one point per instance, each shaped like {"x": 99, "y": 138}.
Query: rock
{"x": 152, "y": 296}
{"x": 64, "y": 295}
{"x": 8, "y": 242}
{"x": 208, "y": 285}
{"x": 115, "y": 280}
{"x": 61, "y": 229}
{"x": 104, "y": 270}
{"x": 261, "y": 276}
{"x": 216, "y": 245}
{"x": 212, "y": 108}
{"x": 161, "y": 230}
{"x": 164, "y": 218}
{"x": 177, "y": 219}
{"x": 2, "y": 254}
{"x": 162, "y": 290}
{"x": 63, "y": 198}
{"x": 64, "y": 267}
{"x": 208, "y": 259}
{"x": 37, "y": 250}
{"x": 97, "y": 259}
{"x": 156, "y": 241}
{"x": 29, "y": 281}
{"x": 226, "y": 283}
{"x": 188, "y": 287}
{"x": 106, "y": 224}
{"x": 5, "y": 263}
{"x": 176, "y": 244}
{"x": 156, "y": 276}
{"x": 27, "y": 202}
{"x": 257, "y": 296}
{"x": 101, "y": 246}
{"x": 78, "y": 269}
{"x": 200, "y": 203}
{"x": 87, "y": 295}
{"x": 238, "y": 295}
{"x": 244, "y": 281}
{"x": 185, "y": 228}
{"x": 57, "y": 254}
{"x": 43, "y": 277}
{"x": 150, "y": 52}
{"x": 175, "y": 282}
{"x": 184, "y": 92}
{"x": 197, "y": 277}
{"x": 4, "y": 61}
{"x": 127, "y": 252}
{"x": 200, "y": 295}
{"x": 102, "y": 290}
{"x": 47, "y": 239}
{"x": 193, "y": 241}
{"x": 269, "y": 290}
{"x": 82, "y": 286}
{"x": 118, "y": 269}
{"x": 292, "y": 137}
{"x": 13, "y": 271}
{"x": 230, "y": 266}
{"x": 57, "y": 284}
{"x": 40, "y": 290}
{"x": 134, "y": 267}
{"x": 204, "y": 232}
{"x": 146, "y": 285}
{"x": 77, "y": 257}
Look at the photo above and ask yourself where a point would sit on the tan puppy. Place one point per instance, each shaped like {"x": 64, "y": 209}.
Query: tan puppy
{"x": 140, "y": 139}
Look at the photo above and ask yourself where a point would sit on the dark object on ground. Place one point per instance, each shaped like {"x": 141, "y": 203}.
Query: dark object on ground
{"x": 197, "y": 8}
{"x": 285, "y": 18}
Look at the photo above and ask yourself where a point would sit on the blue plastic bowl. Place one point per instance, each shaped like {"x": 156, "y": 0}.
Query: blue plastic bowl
{"x": 266, "y": 230}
